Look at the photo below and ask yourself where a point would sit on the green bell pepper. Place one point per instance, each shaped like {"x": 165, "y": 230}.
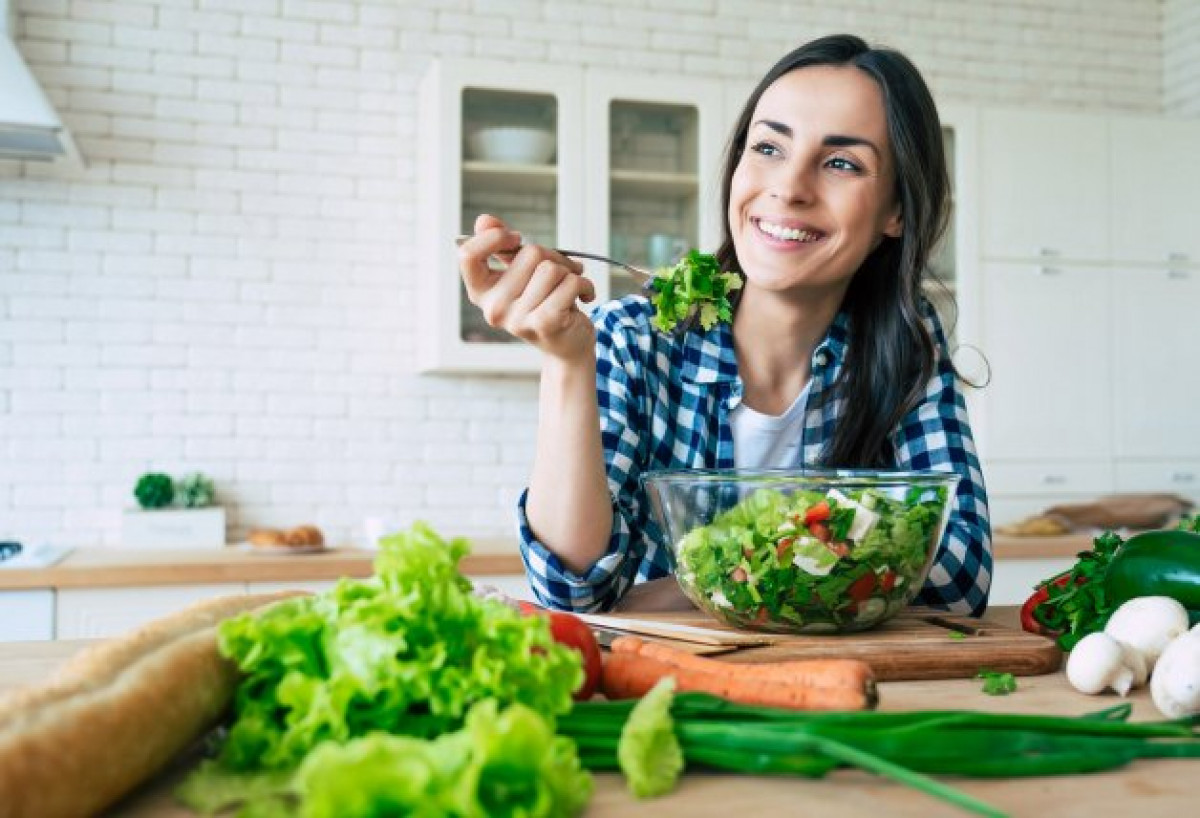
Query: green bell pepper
{"x": 1156, "y": 563}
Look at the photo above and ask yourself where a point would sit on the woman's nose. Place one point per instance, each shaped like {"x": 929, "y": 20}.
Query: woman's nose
{"x": 793, "y": 183}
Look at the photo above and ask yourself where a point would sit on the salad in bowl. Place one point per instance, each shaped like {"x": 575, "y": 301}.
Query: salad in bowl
{"x": 801, "y": 552}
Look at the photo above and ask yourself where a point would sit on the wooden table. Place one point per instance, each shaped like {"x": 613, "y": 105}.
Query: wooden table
{"x": 1149, "y": 788}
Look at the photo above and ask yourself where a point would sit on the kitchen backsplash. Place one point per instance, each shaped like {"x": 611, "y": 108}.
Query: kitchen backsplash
{"x": 229, "y": 286}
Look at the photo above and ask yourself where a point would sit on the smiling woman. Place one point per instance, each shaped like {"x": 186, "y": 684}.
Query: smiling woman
{"x": 835, "y": 193}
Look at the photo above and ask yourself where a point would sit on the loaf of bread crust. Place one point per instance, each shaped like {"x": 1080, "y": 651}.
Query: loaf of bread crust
{"x": 117, "y": 713}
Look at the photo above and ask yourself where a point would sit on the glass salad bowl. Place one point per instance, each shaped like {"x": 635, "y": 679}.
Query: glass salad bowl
{"x": 801, "y": 552}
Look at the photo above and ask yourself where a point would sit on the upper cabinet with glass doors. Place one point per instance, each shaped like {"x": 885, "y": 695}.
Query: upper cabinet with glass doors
{"x": 609, "y": 163}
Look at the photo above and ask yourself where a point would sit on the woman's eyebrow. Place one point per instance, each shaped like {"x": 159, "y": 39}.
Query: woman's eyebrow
{"x": 832, "y": 140}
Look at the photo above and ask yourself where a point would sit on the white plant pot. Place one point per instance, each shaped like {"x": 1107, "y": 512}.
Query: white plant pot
{"x": 174, "y": 528}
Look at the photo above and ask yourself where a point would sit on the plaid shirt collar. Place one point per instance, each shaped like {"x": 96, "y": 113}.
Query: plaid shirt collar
{"x": 708, "y": 356}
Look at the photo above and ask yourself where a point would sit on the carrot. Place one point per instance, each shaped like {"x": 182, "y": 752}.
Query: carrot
{"x": 627, "y": 675}
{"x": 851, "y": 673}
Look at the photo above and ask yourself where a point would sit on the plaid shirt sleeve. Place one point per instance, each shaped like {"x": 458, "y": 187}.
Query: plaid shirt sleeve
{"x": 636, "y": 551}
{"x": 937, "y": 435}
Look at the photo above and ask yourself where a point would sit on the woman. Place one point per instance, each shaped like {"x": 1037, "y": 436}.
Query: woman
{"x": 835, "y": 193}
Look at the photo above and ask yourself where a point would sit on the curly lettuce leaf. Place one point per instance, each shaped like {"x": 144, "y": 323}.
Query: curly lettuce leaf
{"x": 407, "y": 652}
{"x": 648, "y": 750}
{"x": 501, "y": 763}
{"x": 695, "y": 285}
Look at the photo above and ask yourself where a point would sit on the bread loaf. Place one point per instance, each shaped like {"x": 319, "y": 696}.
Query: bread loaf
{"x": 117, "y": 713}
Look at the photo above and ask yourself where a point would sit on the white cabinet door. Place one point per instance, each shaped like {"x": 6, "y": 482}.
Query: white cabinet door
{"x": 460, "y": 176}
{"x": 1155, "y": 179}
{"x": 1156, "y": 328}
{"x": 1045, "y": 185}
{"x": 90, "y": 613}
{"x": 27, "y": 615}
{"x": 1048, "y": 339}
{"x": 652, "y": 150}
{"x": 1014, "y": 580}
{"x": 1180, "y": 477}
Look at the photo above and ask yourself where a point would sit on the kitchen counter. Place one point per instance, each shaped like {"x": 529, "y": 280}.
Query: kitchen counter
{"x": 107, "y": 568}
{"x": 1151, "y": 787}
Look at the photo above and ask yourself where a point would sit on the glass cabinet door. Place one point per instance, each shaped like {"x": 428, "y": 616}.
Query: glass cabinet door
{"x": 508, "y": 169}
{"x": 653, "y": 148}
{"x": 500, "y": 138}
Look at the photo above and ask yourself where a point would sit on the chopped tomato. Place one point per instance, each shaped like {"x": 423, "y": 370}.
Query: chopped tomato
{"x": 739, "y": 574}
{"x": 817, "y": 513}
{"x": 761, "y": 616}
{"x": 860, "y": 590}
{"x": 783, "y": 546}
{"x": 820, "y": 531}
{"x": 887, "y": 582}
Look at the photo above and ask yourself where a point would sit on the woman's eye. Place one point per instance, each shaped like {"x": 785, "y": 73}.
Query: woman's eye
{"x": 842, "y": 163}
{"x": 765, "y": 148}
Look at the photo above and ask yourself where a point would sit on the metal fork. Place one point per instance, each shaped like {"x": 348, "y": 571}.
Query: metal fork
{"x": 643, "y": 276}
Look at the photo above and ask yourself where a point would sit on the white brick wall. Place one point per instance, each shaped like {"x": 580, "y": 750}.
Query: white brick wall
{"x": 229, "y": 286}
{"x": 1181, "y": 57}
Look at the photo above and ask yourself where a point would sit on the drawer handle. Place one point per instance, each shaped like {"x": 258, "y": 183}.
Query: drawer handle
{"x": 1178, "y": 275}
{"x": 1053, "y": 479}
{"x": 1049, "y": 271}
{"x": 1183, "y": 477}
{"x": 1177, "y": 256}
{"x": 1048, "y": 252}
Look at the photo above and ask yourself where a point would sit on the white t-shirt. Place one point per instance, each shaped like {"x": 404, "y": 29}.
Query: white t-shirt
{"x": 768, "y": 441}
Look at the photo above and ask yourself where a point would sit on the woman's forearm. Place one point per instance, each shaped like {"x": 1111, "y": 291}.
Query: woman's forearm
{"x": 569, "y": 507}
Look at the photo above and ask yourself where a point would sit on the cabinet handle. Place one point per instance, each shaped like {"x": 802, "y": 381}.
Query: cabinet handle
{"x": 1049, "y": 271}
{"x": 1053, "y": 479}
{"x": 1183, "y": 477}
{"x": 1048, "y": 252}
{"x": 1178, "y": 275}
{"x": 1177, "y": 256}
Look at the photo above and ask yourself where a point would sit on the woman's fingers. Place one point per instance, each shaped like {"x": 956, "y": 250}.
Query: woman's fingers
{"x": 473, "y": 255}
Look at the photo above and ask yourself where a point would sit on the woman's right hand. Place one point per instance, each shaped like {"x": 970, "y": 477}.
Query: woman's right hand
{"x": 534, "y": 297}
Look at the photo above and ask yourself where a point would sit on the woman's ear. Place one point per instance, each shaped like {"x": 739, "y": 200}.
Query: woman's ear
{"x": 894, "y": 226}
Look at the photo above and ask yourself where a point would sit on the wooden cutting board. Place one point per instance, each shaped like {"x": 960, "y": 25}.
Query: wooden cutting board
{"x": 913, "y": 645}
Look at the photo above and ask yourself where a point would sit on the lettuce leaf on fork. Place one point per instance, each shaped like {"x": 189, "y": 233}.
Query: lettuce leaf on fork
{"x": 694, "y": 286}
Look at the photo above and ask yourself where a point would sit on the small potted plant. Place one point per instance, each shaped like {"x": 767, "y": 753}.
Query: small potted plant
{"x": 174, "y": 513}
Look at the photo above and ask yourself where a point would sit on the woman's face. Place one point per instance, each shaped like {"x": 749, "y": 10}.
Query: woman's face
{"x": 812, "y": 194}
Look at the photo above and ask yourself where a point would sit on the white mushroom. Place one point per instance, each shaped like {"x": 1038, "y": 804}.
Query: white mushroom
{"x": 1148, "y": 624}
{"x": 1175, "y": 686}
{"x": 1100, "y": 662}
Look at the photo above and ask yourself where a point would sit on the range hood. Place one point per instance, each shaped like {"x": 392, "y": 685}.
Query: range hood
{"x": 30, "y": 128}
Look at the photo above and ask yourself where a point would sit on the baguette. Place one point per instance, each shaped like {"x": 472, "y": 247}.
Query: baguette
{"x": 116, "y": 713}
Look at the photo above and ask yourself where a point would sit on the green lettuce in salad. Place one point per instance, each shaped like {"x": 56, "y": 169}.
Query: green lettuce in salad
{"x": 809, "y": 560}
{"x": 695, "y": 285}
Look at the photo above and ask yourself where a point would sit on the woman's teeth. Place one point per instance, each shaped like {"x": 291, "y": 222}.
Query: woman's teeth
{"x": 789, "y": 233}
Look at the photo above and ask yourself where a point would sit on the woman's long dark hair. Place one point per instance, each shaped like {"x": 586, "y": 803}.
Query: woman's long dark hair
{"x": 891, "y": 355}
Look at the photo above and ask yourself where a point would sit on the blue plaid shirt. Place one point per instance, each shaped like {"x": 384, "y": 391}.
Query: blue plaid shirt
{"x": 665, "y": 403}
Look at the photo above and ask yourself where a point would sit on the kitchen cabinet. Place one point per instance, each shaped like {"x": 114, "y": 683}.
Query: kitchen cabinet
{"x": 1045, "y": 436}
{"x": 1044, "y": 180}
{"x": 1048, "y": 337}
{"x": 458, "y": 179}
{"x": 91, "y": 613}
{"x": 632, "y": 174}
{"x": 27, "y": 615}
{"x": 1155, "y": 178}
{"x": 1013, "y": 580}
{"x": 1156, "y": 362}
{"x": 653, "y": 153}
{"x": 1180, "y": 477}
